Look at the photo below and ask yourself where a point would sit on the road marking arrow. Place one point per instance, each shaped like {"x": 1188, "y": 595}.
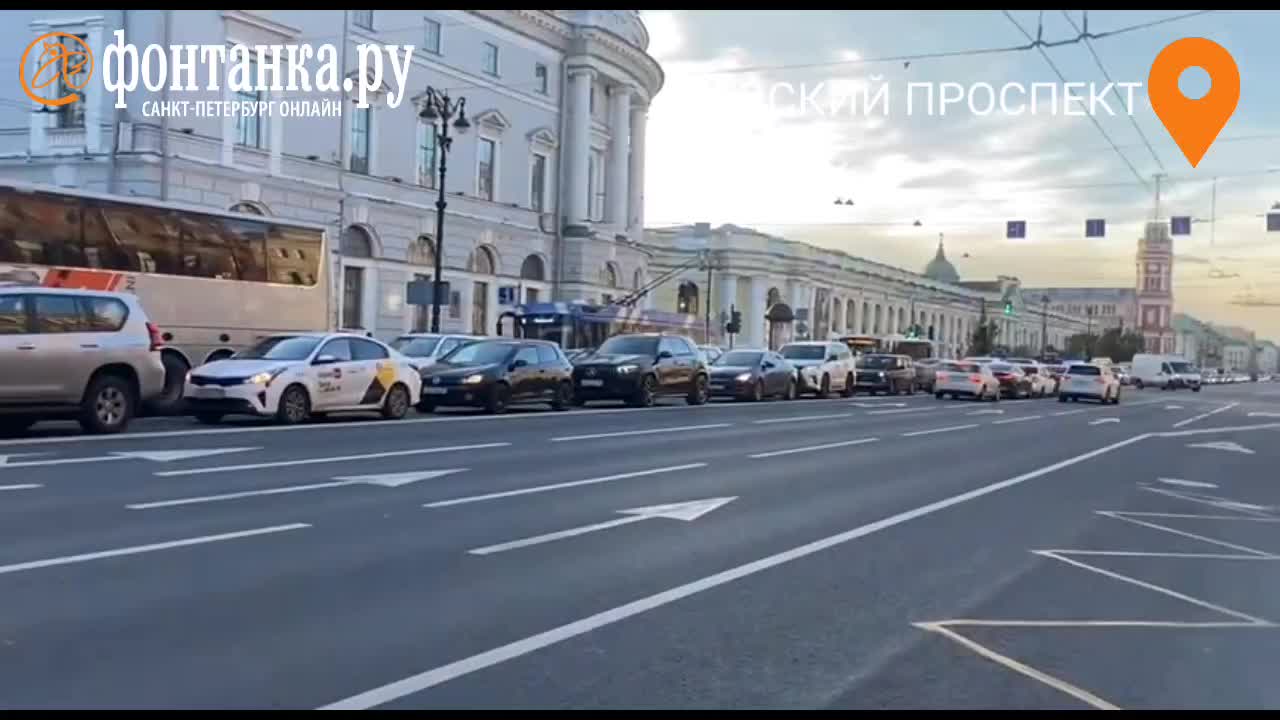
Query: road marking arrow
{"x": 389, "y": 480}
{"x": 986, "y": 412}
{"x": 878, "y": 404}
{"x": 1101, "y": 421}
{"x": 686, "y": 511}
{"x": 27, "y": 486}
{"x": 1172, "y": 407}
{"x": 153, "y": 455}
{"x": 1186, "y": 483}
{"x": 1264, "y": 414}
{"x": 1223, "y": 445}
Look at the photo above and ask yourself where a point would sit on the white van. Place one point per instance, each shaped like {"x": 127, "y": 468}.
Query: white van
{"x": 1167, "y": 372}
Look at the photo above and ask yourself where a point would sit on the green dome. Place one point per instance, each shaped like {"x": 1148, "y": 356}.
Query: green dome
{"x": 940, "y": 268}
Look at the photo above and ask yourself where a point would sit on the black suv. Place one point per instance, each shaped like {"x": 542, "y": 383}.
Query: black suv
{"x": 889, "y": 374}
{"x": 492, "y": 374}
{"x": 639, "y": 368}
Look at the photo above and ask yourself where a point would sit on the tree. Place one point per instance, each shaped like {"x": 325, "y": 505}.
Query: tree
{"x": 983, "y": 340}
{"x": 1078, "y": 345}
{"x": 1025, "y": 351}
{"x": 1118, "y": 345}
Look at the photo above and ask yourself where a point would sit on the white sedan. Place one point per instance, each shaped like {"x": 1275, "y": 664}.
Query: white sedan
{"x": 961, "y": 378}
{"x": 293, "y": 377}
{"x": 1042, "y": 383}
{"x": 1091, "y": 381}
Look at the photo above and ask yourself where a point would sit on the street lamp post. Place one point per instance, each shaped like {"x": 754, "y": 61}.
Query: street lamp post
{"x": 438, "y": 109}
{"x": 1044, "y": 325}
{"x": 1088, "y": 335}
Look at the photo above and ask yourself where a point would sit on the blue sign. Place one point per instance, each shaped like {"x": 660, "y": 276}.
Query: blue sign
{"x": 419, "y": 293}
{"x": 1016, "y": 229}
{"x": 507, "y": 294}
{"x": 1180, "y": 225}
{"x": 1273, "y": 222}
{"x": 1096, "y": 227}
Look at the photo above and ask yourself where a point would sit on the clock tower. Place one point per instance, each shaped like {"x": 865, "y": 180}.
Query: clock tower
{"x": 1155, "y": 288}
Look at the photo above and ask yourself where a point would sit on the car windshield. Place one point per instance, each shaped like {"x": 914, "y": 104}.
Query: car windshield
{"x": 879, "y": 362}
{"x": 481, "y": 353}
{"x": 962, "y": 368}
{"x": 804, "y": 352}
{"x": 739, "y": 358}
{"x": 629, "y": 345}
{"x": 1182, "y": 367}
{"x": 1001, "y": 368}
{"x": 1029, "y": 369}
{"x": 1084, "y": 370}
{"x": 416, "y": 346}
{"x": 281, "y": 347}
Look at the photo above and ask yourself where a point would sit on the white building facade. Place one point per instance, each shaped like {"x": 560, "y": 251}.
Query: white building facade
{"x": 545, "y": 192}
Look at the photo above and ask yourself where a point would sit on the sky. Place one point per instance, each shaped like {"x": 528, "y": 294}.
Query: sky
{"x": 717, "y": 151}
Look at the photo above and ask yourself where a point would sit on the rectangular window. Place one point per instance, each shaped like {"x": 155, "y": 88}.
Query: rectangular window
{"x": 13, "y": 315}
{"x": 490, "y": 59}
{"x": 421, "y": 313}
{"x": 352, "y": 297}
{"x": 431, "y": 40}
{"x": 360, "y": 140}
{"x": 249, "y": 127}
{"x": 455, "y": 304}
{"x": 71, "y": 115}
{"x": 426, "y": 154}
{"x": 486, "y": 153}
{"x": 595, "y": 184}
{"x": 479, "y": 308}
{"x": 538, "y": 182}
{"x": 103, "y": 314}
{"x": 362, "y": 18}
{"x": 58, "y": 314}
{"x": 540, "y": 78}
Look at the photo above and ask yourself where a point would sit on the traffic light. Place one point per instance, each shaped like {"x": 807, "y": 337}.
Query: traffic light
{"x": 734, "y": 325}
{"x": 1008, "y": 307}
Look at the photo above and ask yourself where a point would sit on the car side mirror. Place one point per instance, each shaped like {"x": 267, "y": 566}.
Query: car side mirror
{"x": 519, "y": 364}
{"x": 832, "y": 358}
{"x": 767, "y": 365}
{"x": 324, "y": 360}
{"x": 665, "y": 355}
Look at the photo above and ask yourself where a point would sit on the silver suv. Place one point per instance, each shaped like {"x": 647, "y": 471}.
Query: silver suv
{"x": 81, "y": 354}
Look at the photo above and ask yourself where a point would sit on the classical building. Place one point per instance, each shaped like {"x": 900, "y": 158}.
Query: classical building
{"x": 544, "y": 192}
{"x": 790, "y": 290}
{"x": 1108, "y": 307}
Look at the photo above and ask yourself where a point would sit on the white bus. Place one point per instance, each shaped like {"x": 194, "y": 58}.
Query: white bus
{"x": 213, "y": 281}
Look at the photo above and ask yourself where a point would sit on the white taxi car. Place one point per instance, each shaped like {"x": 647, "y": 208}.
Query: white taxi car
{"x": 1092, "y": 381}
{"x": 963, "y": 378}
{"x": 294, "y": 377}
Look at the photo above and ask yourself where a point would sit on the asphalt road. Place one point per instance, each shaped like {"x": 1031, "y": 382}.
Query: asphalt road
{"x": 867, "y": 553}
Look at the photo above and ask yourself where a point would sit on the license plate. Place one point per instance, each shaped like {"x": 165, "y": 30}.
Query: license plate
{"x": 210, "y": 392}
{"x": 591, "y": 383}
{"x": 435, "y": 390}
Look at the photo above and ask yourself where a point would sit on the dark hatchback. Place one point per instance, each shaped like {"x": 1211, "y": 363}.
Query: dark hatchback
{"x": 889, "y": 374}
{"x": 492, "y": 374}
{"x": 641, "y": 368}
{"x": 752, "y": 375}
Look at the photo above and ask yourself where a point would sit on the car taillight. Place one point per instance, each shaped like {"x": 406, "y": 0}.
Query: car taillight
{"x": 1100, "y": 381}
{"x": 941, "y": 377}
{"x": 975, "y": 378}
{"x": 157, "y": 341}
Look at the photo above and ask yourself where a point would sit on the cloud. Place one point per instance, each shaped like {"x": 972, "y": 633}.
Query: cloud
{"x": 949, "y": 179}
{"x": 1191, "y": 260}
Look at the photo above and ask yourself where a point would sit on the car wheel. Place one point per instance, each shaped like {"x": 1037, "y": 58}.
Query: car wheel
{"x": 108, "y": 405}
{"x": 295, "y": 406}
{"x": 791, "y": 390}
{"x": 499, "y": 398}
{"x": 937, "y": 396}
{"x": 757, "y": 392}
{"x": 847, "y": 390}
{"x": 175, "y": 377}
{"x": 700, "y": 391}
{"x": 824, "y": 388}
{"x": 1062, "y": 398}
{"x": 1137, "y": 384}
{"x": 396, "y": 406}
{"x": 208, "y": 418}
{"x": 1075, "y": 399}
{"x": 1116, "y": 400}
{"x": 644, "y": 393}
{"x": 563, "y": 397}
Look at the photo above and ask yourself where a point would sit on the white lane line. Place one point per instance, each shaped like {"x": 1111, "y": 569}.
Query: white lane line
{"x": 27, "y": 486}
{"x": 811, "y": 448}
{"x": 1211, "y": 500}
{"x": 1186, "y": 483}
{"x": 1097, "y": 623}
{"x": 1164, "y": 528}
{"x": 1057, "y": 684}
{"x": 1193, "y": 516}
{"x": 67, "y": 461}
{"x": 533, "y": 643}
{"x": 139, "y": 549}
{"x": 802, "y": 418}
{"x": 561, "y": 486}
{"x": 932, "y": 408}
{"x": 1007, "y": 421}
{"x": 1069, "y": 412}
{"x": 235, "y": 496}
{"x": 1211, "y": 431}
{"x": 1155, "y": 588}
{"x": 953, "y": 428}
{"x": 1104, "y": 421}
{"x": 339, "y": 458}
{"x": 630, "y": 433}
{"x": 1202, "y": 416}
{"x": 1189, "y": 556}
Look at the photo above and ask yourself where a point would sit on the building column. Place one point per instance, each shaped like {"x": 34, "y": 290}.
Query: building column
{"x": 635, "y": 185}
{"x": 575, "y": 197}
{"x": 753, "y": 318}
{"x": 724, "y": 294}
{"x": 617, "y": 191}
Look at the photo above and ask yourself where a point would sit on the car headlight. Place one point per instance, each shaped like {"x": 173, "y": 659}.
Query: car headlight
{"x": 627, "y": 369}
{"x": 881, "y": 375}
{"x": 265, "y": 377}
{"x": 743, "y": 377}
{"x": 473, "y": 379}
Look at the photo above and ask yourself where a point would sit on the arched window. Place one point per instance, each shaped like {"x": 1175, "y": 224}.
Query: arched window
{"x": 609, "y": 275}
{"x": 482, "y": 261}
{"x": 248, "y": 208}
{"x": 687, "y": 298}
{"x": 357, "y": 243}
{"x": 637, "y": 280}
{"x": 422, "y": 252}
{"x": 533, "y": 269}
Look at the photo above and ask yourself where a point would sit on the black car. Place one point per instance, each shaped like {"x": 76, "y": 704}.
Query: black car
{"x": 492, "y": 374}
{"x": 889, "y": 374}
{"x": 752, "y": 375}
{"x": 640, "y": 368}
{"x": 1014, "y": 383}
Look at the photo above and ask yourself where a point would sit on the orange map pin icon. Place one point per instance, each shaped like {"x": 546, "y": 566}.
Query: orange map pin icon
{"x": 1194, "y": 124}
